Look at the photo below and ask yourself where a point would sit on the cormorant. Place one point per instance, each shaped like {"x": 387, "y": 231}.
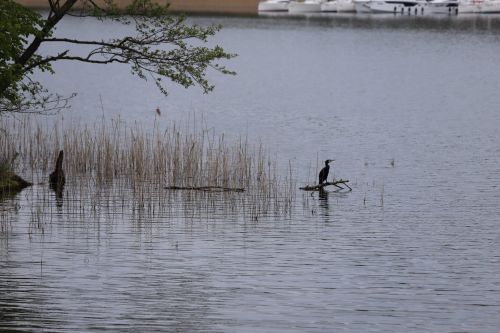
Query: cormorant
{"x": 323, "y": 174}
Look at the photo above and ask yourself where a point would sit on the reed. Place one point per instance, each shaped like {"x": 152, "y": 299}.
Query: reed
{"x": 109, "y": 161}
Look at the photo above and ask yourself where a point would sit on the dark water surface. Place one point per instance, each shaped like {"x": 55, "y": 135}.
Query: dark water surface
{"x": 408, "y": 107}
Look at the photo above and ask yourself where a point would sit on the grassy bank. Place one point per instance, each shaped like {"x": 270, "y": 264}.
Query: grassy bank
{"x": 9, "y": 181}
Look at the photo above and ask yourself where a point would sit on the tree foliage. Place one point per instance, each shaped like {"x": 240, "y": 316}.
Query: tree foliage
{"x": 164, "y": 48}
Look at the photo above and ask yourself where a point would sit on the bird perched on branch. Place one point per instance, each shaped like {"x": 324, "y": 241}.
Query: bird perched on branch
{"x": 323, "y": 174}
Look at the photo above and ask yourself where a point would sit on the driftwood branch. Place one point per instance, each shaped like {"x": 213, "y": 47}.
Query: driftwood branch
{"x": 321, "y": 187}
{"x": 207, "y": 188}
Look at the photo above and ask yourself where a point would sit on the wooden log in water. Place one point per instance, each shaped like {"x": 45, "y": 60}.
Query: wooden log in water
{"x": 207, "y": 188}
{"x": 321, "y": 187}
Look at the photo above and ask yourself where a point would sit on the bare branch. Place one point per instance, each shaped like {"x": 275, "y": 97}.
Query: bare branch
{"x": 207, "y": 188}
{"x": 50, "y": 104}
{"x": 321, "y": 187}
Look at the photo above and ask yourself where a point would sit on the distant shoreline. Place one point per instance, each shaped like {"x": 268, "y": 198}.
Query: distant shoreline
{"x": 188, "y": 6}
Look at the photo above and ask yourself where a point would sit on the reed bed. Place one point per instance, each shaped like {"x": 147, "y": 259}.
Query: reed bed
{"x": 114, "y": 166}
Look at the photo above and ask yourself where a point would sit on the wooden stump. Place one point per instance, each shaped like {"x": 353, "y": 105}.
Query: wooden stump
{"x": 57, "y": 178}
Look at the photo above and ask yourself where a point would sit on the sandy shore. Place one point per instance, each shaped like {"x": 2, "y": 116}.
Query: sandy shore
{"x": 189, "y": 6}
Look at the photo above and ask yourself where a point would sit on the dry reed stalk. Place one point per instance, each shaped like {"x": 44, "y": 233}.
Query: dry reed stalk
{"x": 131, "y": 161}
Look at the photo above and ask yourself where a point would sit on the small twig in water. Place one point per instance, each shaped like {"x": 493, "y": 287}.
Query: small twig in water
{"x": 207, "y": 188}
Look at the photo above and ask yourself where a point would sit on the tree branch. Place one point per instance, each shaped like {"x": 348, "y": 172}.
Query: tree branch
{"x": 207, "y": 188}
{"x": 321, "y": 187}
{"x": 161, "y": 49}
{"x": 50, "y": 23}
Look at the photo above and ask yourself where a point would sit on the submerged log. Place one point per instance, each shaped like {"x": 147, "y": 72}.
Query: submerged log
{"x": 321, "y": 187}
{"x": 207, "y": 188}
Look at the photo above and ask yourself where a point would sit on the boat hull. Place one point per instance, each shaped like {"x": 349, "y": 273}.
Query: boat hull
{"x": 443, "y": 7}
{"x": 304, "y": 7}
{"x": 362, "y": 6}
{"x": 345, "y": 6}
{"x": 485, "y": 7}
{"x": 329, "y": 6}
{"x": 271, "y": 6}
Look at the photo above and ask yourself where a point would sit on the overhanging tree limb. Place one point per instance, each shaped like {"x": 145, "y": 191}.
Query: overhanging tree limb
{"x": 165, "y": 47}
{"x": 49, "y": 25}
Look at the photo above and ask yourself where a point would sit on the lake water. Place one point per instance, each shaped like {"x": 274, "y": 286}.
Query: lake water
{"x": 408, "y": 108}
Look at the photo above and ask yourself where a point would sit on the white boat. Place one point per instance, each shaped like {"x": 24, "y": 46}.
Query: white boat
{"x": 410, "y": 7}
{"x": 345, "y": 6}
{"x": 443, "y": 7}
{"x": 329, "y": 6}
{"x": 306, "y": 6}
{"x": 273, "y": 6}
{"x": 362, "y": 6}
{"x": 479, "y": 6}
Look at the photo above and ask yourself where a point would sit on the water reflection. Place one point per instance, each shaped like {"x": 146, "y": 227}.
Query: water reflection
{"x": 20, "y": 303}
{"x": 323, "y": 202}
{"x": 139, "y": 297}
{"x": 58, "y": 189}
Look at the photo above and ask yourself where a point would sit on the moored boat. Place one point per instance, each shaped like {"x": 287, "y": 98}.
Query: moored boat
{"x": 411, "y": 7}
{"x": 273, "y": 6}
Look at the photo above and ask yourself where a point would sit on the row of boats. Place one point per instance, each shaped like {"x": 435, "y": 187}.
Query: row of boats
{"x": 410, "y": 7}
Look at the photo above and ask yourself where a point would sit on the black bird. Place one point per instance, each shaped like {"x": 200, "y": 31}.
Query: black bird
{"x": 323, "y": 174}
